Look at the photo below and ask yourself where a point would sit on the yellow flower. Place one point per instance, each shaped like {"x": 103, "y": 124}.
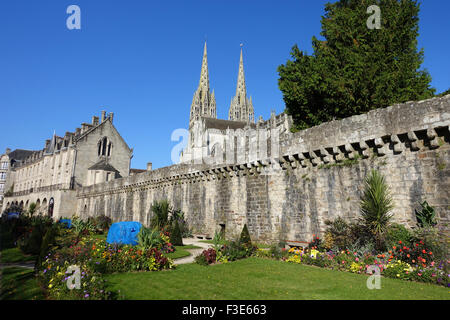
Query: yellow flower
{"x": 50, "y": 285}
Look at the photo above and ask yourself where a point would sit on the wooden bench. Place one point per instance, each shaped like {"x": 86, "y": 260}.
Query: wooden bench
{"x": 202, "y": 236}
{"x": 296, "y": 244}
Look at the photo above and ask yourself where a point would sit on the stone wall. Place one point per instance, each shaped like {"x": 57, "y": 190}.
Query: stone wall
{"x": 319, "y": 175}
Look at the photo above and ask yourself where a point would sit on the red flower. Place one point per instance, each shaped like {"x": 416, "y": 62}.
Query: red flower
{"x": 400, "y": 242}
{"x": 423, "y": 251}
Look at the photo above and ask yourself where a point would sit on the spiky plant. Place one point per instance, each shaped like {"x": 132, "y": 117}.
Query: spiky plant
{"x": 376, "y": 206}
{"x": 161, "y": 211}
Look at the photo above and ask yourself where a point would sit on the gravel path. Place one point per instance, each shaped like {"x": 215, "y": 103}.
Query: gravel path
{"x": 194, "y": 252}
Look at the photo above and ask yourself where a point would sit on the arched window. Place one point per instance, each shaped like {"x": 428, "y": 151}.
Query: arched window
{"x": 104, "y": 147}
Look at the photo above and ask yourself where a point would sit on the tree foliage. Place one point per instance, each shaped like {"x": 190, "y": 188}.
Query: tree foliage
{"x": 356, "y": 69}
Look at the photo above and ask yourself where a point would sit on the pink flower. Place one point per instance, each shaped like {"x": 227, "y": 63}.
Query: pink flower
{"x": 343, "y": 261}
{"x": 357, "y": 259}
{"x": 419, "y": 274}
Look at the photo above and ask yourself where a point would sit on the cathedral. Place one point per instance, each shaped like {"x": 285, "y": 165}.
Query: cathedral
{"x": 206, "y": 132}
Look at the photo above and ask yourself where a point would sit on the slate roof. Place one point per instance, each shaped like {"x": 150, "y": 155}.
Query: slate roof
{"x": 221, "y": 124}
{"x": 104, "y": 166}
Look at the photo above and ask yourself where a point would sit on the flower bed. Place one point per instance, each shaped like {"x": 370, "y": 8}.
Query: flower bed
{"x": 94, "y": 257}
{"x": 391, "y": 264}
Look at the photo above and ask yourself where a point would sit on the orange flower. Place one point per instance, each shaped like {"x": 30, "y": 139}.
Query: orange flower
{"x": 430, "y": 252}
{"x": 394, "y": 247}
{"x": 408, "y": 255}
{"x": 413, "y": 261}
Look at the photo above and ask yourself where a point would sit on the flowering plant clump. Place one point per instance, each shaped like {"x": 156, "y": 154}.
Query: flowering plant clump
{"x": 54, "y": 277}
{"x": 391, "y": 263}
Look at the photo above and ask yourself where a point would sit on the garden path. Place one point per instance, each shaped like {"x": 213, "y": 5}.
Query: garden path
{"x": 194, "y": 252}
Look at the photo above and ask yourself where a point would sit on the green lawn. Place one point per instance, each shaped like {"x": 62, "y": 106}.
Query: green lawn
{"x": 261, "y": 279}
{"x": 19, "y": 284}
{"x": 181, "y": 251}
{"x": 14, "y": 255}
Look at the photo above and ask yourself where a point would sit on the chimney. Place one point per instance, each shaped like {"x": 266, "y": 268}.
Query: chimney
{"x": 111, "y": 116}
{"x": 77, "y": 131}
{"x": 149, "y": 166}
{"x": 8, "y": 151}
{"x": 94, "y": 121}
{"x": 103, "y": 116}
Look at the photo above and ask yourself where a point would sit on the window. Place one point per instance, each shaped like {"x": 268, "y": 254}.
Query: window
{"x": 2, "y": 175}
{"x": 2, "y": 187}
{"x": 104, "y": 147}
{"x": 4, "y": 165}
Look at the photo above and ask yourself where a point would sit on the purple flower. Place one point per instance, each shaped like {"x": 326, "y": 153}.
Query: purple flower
{"x": 86, "y": 295}
{"x": 45, "y": 270}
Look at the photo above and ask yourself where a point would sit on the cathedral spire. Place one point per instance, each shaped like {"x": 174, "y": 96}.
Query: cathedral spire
{"x": 241, "y": 109}
{"x": 204, "y": 76}
{"x": 203, "y": 103}
{"x": 240, "y": 88}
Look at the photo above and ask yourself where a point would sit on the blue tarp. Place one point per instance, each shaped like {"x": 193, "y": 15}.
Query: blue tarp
{"x": 11, "y": 215}
{"x": 124, "y": 232}
{"x": 67, "y": 222}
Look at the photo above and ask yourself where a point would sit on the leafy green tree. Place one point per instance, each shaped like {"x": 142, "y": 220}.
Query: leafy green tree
{"x": 356, "y": 69}
{"x": 444, "y": 93}
{"x": 376, "y": 206}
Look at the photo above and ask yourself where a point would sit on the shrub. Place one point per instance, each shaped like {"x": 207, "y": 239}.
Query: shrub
{"x": 245, "y": 236}
{"x": 160, "y": 211}
{"x": 175, "y": 235}
{"x": 426, "y": 217}
{"x": 201, "y": 260}
{"x": 148, "y": 238}
{"x": 235, "y": 250}
{"x": 376, "y": 205}
{"x": 398, "y": 232}
{"x": 103, "y": 223}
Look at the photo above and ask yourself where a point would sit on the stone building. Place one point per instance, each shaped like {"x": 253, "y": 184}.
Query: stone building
{"x": 285, "y": 185}
{"x": 7, "y": 160}
{"x": 206, "y": 132}
{"x": 94, "y": 153}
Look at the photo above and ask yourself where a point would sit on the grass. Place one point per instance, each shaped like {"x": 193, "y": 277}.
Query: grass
{"x": 18, "y": 283}
{"x": 14, "y": 255}
{"x": 262, "y": 279}
{"x": 181, "y": 251}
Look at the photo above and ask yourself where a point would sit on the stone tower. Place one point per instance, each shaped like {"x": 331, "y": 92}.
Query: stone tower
{"x": 241, "y": 108}
{"x": 203, "y": 102}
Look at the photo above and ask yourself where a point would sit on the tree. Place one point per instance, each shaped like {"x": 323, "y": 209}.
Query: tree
{"x": 356, "y": 69}
{"x": 376, "y": 206}
{"x": 175, "y": 235}
{"x": 245, "y": 236}
{"x": 444, "y": 93}
{"x": 32, "y": 208}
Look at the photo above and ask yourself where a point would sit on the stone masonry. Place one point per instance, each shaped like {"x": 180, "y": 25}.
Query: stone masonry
{"x": 314, "y": 175}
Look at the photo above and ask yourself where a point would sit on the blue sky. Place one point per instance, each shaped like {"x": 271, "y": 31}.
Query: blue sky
{"x": 141, "y": 60}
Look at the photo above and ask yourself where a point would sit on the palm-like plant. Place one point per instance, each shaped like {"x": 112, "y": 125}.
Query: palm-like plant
{"x": 376, "y": 206}
{"x": 148, "y": 238}
{"x": 161, "y": 211}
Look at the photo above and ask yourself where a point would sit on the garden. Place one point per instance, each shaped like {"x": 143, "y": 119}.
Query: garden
{"x": 412, "y": 262}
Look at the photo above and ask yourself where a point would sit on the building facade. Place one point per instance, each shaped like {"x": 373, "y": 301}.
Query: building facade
{"x": 95, "y": 152}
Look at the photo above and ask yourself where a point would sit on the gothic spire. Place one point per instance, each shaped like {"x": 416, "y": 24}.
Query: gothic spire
{"x": 203, "y": 103}
{"x": 241, "y": 109}
{"x": 204, "y": 76}
{"x": 240, "y": 88}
